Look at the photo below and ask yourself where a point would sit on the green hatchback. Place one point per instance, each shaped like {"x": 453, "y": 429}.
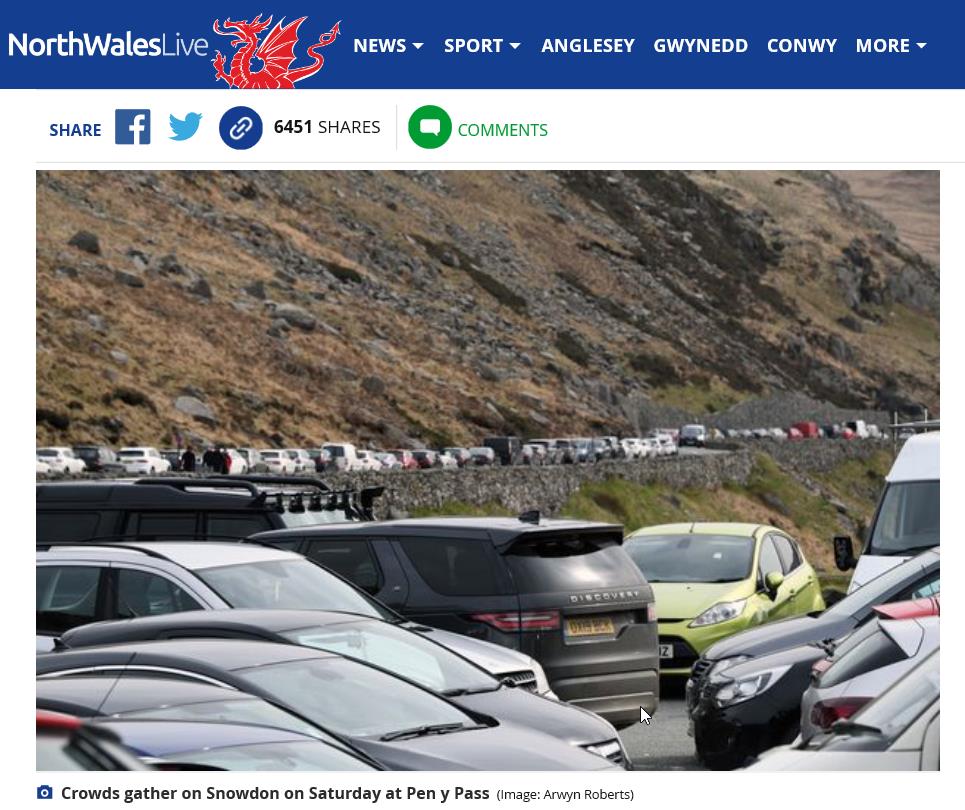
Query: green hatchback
{"x": 712, "y": 580}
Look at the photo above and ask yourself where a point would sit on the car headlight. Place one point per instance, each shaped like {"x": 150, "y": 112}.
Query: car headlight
{"x": 721, "y": 612}
{"x": 741, "y": 689}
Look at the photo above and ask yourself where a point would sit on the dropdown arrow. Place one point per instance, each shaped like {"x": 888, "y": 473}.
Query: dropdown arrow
{"x": 417, "y": 45}
{"x": 515, "y": 45}
{"x": 921, "y": 44}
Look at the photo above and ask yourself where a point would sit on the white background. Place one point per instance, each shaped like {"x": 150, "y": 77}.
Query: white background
{"x": 598, "y": 129}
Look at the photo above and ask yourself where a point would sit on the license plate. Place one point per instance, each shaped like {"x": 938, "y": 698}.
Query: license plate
{"x": 666, "y": 650}
{"x": 590, "y": 626}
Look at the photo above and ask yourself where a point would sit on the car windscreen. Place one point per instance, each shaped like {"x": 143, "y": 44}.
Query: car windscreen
{"x": 907, "y": 519}
{"x": 692, "y": 558}
{"x": 271, "y": 454}
{"x": 47, "y": 454}
{"x": 335, "y": 450}
{"x": 402, "y": 652}
{"x": 306, "y": 755}
{"x": 287, "y": 584}
{"x": 248, "y": 711}
{"x": 131, "y": 453}
{"x": 570, "y": 562}
{"x": 876, "y": 591}
{"x": 338, "y": 695}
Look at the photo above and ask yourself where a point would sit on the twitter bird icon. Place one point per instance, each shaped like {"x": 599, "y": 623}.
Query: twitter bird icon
{"x": 184, "y": 129}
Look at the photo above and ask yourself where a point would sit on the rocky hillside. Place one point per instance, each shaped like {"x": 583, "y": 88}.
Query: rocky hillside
{"x": 408, "y": 307}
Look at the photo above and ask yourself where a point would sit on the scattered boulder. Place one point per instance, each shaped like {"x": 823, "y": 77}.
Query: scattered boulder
{"x": 195, "y": 408}
{"x": 86, "y": 241}
{"x": 256, "y": 290}
{"x": 119, "y": 357}
{"x": 296, "y": 316}
{"x": 129, "y": 279}
{"x": 373, "y": 385}
{"x": 201, "y": 288}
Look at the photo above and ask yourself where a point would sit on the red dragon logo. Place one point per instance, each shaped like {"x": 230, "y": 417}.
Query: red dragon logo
{"x": 276, "y": 53}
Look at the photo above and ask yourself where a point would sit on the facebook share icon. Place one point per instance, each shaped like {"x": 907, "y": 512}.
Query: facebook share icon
{"x": 132, "y": 126}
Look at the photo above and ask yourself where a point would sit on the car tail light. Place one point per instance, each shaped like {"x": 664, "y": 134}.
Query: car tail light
{"x": 528, "y": 620}
{"x": 825, "y": 712}
{"x": 652, "y": 613}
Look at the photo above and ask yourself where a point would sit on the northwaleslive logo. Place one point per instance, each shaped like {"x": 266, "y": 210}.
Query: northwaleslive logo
{"x": 264, "y": 58}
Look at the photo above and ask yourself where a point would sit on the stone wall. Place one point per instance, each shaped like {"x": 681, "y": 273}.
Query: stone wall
{"x": 518, "y": 489}
{"x": 819, "y": 455}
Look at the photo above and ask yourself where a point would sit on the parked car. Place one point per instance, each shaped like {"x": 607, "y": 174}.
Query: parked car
{"x": 506, "y": 448}
{"x": 583, "y": 450}
{"x": 808, "y": 430}
{"x": 564, "y": 592}
{"x": 723, "y": 738}
{"x": 173, "y": 457}
{"x": 389, "y": 461}
{"x": 777, "y": 434}
{"x": 303, "y": 461}
{"x": 460, "y": 454}
{"x": 65, "y": 743}
{"x": 756, "y": 704}
{"x": 238, "y": 464}
{"x": 564, "y": 449}
{"x": 344, "y": 456}
{"x": 43, "y": 468}
{"x": 693, "y": 436}
{"x": 406, "y": 459}
{"x": 171, "y": 745}
{"x": 399, "y": 651}
{"x": 533, "y": 455}
{"x": 426, "y": 459}
{"x": 253, "y": 460}
{"x": 446, "y": 461}
{"x": 858, "y": 427}
{"x": 61, "y": 460}
{"x": 321, "y": 459}
{"x": 712, "y": 580}
{"x": 482, "y": 456}
{"x": 907, "y": 519}
{"x": 137, "y": 579}
{"x": 98, "y": 458}
{"x": 422, "y": 731}
{"x": 182, "y": 508}
{"x": 898, "y": 731}
{"x": 864, "y": 667}
{"x": 668, "y": 447}
{"x": 279, "y": 462}
{"x": 143, "y": 461}
{"x": 794, "y": 435}
{"x": 368, "y": 461}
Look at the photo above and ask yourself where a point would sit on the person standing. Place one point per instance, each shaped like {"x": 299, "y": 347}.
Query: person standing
{"x": 189, "y": 461}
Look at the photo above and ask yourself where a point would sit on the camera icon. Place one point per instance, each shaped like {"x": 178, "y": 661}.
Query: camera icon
{"x": 45, "y": 792}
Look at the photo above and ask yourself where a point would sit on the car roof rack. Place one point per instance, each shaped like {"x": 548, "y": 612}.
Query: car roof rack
{"x": 283, "y": 480}
{"x": 184, "y": 483}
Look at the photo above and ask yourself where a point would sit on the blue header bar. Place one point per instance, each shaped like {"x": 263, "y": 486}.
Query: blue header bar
{"x": 604, "y": 44}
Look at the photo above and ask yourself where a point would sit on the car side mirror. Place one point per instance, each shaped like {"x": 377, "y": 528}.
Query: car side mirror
{"x": 844, "y": 553}
{"x": 772, "y": 582}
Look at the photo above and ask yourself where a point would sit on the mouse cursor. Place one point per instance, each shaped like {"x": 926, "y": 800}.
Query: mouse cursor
{"x": 644, "y": 717}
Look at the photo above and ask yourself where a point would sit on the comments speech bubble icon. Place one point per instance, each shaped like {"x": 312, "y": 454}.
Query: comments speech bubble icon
{"x": 430, "y": 126}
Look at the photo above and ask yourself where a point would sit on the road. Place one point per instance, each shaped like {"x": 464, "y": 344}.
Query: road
{"x": 663, "y": 745}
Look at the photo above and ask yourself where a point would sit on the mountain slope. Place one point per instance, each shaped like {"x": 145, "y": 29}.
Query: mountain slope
{"x": 406, "y": 307}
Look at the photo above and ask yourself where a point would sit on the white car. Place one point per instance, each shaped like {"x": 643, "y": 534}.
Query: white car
{"x": 303, "y": 461}
{"x": 43, "y": 468}
{"x": 898, "y": 731}
{"x": 143, "y": 460}
{"x": 632, "y": 448}
{"x": 369, "y": 460}
{"x": 866, "y": 663}
{"x": 447, "y": 461}
{"x": 61, "y": 460}
{"x": 344, "y": 456}
{"x": 278, "y": 462}
{"x": 389, "y": 461}
{"x": 667, "y": 446}
{"x": 239, "y": 463}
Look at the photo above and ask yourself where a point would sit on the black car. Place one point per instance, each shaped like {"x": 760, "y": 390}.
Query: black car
{"x": 402, "y": 652}
{"x": 396, "y": 723}
{"x": 768, "y": 667}
{"x": 179, "y": 508}
{"x": 99, "y": 458}
{"x": 508, "y": 449}
{"x": 564, "y": 592}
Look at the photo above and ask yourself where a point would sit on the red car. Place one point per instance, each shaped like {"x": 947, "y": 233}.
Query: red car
{"x": 406, "y": 459}
{"x": 809, "y": 430}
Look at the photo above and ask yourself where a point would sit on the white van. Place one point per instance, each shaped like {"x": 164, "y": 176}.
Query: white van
{"x": 907, "y": 519}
